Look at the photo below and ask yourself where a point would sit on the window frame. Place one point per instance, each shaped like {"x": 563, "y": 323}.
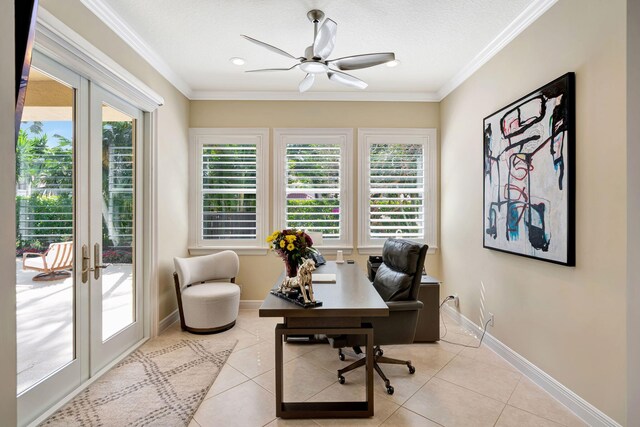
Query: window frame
{"x": 427, "y": 137}
{"x": 340, "y": 136}
{"x": 198, "y": 138}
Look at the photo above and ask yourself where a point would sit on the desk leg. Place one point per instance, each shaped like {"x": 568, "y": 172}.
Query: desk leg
{"x": 279, "y": 369}
{"x": 369, "y": 368}
{"x": 323, "y": 409}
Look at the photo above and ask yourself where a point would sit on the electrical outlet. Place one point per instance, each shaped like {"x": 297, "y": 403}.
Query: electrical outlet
{"x": 456, "y": 300}
{"x": 491, "y": 319}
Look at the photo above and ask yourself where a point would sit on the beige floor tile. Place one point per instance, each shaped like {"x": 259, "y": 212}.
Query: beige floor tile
{"x": 383, "y": 408}
{"x": 514, "y": 417}
{"x": 255, "y": 360}
{"x": 405, "y": 418}
{"x": 404, "y": 383}
{"x": 279, "y": 422}
{"x": 480, "y": 377}
{"x": 245, "y": 339}
{"x": 455, "y": 343}
{"x": 327, "y": 358}
{"x": 450, "y": 326}
{"x": 531, "y": 398}
{"x": 429, "y": 357}
{"x": 302, "y": 379}
{"x": 243, "y": 406}
{"x": 486, "y": 355}
{"x": 352, "y": 390}
{"x": 452, "y": 405}
{"x": 262, "y": 327}
{"x": 227, "y": 378}
{"x": 298, "y": 349}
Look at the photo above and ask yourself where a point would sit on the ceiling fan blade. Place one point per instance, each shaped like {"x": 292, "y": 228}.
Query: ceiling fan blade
{"x": 346, "y": 79}
{"x": 356, "y": 62}
{"x": 268, "y": 46}
{"x": 307, "y": 82}
{"x": 271, "y": 69}
{"x": 325, "y": 39}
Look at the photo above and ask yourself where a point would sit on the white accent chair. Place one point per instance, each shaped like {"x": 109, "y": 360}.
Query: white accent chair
{"x": 208, "y": 298}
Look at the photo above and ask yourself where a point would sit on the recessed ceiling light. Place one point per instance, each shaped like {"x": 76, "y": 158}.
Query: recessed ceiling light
{"x": 237, "y": 61}
{"x": 393, "y": 63}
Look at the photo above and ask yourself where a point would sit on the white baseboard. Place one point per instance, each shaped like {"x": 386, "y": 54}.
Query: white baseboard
{"x": 168, "y": 321}
{"x": 250, "y": 304}
{"x": 583, "y": 409}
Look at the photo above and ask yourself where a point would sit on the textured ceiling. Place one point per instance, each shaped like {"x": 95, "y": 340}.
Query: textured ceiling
{"x": 433, "y": 39}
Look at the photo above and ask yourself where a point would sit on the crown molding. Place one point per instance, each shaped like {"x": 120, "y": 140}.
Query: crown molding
{"x": 59, "y": 42}
{"x": 314, "y": 96}
{"x": 107, "y": 15}
{"x": 111, "y": 19}
{"x": 536, "y": 9}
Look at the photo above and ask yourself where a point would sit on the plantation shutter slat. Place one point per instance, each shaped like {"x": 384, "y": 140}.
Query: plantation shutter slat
{"x": 312, "y": 180}
{"x": 397, "y": 189}
{"x": 229, "y": 191}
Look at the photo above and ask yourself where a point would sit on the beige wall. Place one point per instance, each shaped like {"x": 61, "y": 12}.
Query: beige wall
{"x": 7, "y": 213}
{"x": 258, "y": 273}
{"x": 172, "y": 131}
{"x": 633, "y": 207}
{"x": 570, "y": 322}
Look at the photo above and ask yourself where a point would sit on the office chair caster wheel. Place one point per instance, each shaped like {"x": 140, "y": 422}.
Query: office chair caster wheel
{"x": 412, "y": 369}
{"x": 341, "y": 356}
{"x": 390, "y": 389}
{"x": 379, "y": 352}
{"x": 340, "y": 379}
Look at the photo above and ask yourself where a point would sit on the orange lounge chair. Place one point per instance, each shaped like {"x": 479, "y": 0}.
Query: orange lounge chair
{"x": 53, "y": 264}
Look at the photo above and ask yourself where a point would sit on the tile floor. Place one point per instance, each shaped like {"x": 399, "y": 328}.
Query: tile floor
{"x": 452, "y": 386}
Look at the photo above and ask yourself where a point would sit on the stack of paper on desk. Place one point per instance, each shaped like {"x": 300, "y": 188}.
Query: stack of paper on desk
{"x": 323, "y": 278}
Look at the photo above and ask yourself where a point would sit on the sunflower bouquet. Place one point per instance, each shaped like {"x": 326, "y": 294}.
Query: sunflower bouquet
{"x": 292, "y": 245}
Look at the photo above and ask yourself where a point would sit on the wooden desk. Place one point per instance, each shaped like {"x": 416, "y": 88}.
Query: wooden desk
{"x": 344, "y": 304}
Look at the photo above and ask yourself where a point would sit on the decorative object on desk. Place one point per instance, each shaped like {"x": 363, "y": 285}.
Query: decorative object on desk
{"x": 339, "y": 258}
{"x": 299, "y": 288}
{"x": 293, "y": 246}
{"x": 529, "y": 172}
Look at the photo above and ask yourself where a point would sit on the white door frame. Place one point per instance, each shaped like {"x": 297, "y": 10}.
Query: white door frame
{"x": 59, "y": 43}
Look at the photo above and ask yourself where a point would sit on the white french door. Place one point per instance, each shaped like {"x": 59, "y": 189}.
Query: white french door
{"x": 78, "y": 184}
{"x": 114, "y": 232}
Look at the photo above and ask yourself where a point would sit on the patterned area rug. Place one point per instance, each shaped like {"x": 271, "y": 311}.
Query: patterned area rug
{"x": 160, "y": 384}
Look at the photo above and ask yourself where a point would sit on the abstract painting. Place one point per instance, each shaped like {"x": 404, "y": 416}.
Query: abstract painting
{"x": 529, "y": 174}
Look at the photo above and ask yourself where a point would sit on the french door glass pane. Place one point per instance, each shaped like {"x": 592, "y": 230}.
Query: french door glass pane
{"x": 118, "y": 226}
{"x": 45, "y": 291}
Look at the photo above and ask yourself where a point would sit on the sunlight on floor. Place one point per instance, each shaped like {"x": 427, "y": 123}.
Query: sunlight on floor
{"x": 45, "y": 319}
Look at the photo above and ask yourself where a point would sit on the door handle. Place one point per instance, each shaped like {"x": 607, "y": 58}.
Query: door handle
{"x": 86, "y": 259}
{"x": 96, "y": 265}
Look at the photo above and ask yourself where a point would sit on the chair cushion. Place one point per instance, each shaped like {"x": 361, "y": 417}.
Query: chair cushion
{"x": 392, "y": 285}
{"x": 210, "y": 305}
{"x": 401, "y": 255}
{"x": 223, "y": 265}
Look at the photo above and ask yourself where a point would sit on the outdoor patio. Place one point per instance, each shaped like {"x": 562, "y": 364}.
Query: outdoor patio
{"x": 45, "y": 319}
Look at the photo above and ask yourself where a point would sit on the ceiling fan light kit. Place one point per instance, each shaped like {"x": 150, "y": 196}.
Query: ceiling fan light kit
{"x": 315, "y": 59}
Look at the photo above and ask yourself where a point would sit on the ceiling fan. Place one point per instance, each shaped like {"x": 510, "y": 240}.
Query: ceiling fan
{"x": 315, "y": 59}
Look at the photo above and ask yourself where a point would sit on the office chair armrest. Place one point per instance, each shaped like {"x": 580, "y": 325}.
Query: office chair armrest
{"x": 404, "y": 305}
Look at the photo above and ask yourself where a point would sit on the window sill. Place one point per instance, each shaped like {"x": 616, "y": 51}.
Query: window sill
{"x": 248, "y": 250}
{"x": 377, "y": 250}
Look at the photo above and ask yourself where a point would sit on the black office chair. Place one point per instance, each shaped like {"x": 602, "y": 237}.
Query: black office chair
{"x": 398, "y": 282}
